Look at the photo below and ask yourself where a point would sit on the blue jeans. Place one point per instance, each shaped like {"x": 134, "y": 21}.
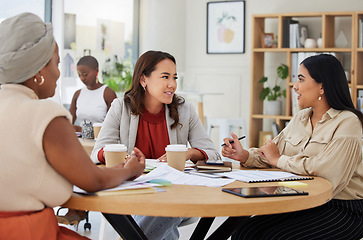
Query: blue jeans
{"x": 159, "y": 228}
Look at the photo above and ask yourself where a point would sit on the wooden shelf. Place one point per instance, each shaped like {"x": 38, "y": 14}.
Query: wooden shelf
{"x": 279, "y": 117}
{"x": 291, "y": 50}
{"x": 262, "y": 23}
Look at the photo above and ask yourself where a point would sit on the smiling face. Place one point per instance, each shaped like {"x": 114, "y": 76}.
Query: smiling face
{"x": 307, "y": 88}
{"x": 160, "y": 86}
{"x": 87, "y": 75}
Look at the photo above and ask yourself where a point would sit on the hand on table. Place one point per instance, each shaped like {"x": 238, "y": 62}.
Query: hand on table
{"x": 163, "y": 158}
{"x": 136, "y": 162}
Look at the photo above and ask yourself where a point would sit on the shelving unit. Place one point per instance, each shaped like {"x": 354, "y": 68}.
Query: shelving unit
{"x": 327, "y": 24}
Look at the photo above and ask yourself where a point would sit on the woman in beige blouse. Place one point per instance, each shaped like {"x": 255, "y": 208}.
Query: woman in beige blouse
{"x": 324, "y": 139}
{"x": 41, "y": 158}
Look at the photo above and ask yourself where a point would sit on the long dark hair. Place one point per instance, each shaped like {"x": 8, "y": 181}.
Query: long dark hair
{"x": 134, "y": 97}
{"x": 327, "y": 69}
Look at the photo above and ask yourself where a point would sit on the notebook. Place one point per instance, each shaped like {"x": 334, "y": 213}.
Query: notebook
{"x": 202, "y": 166}
{"x": 254, "y": 176}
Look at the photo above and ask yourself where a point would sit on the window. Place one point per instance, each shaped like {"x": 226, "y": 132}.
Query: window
{"x": 107, "y": 30}
{"x": 104, "y": 29}
{"x": 14, "y": 7}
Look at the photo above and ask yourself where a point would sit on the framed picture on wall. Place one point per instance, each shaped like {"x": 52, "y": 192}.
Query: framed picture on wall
{"x": 226, "y": 27}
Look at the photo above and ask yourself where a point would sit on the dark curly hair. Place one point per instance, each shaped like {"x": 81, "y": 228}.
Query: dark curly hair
{"x": 134, "y": 97}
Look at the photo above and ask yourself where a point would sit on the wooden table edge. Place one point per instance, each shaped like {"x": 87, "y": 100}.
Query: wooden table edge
{"x": 207, "y": 202}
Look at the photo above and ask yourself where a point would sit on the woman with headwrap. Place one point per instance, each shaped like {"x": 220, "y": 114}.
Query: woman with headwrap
{"x": 41, "y": 157}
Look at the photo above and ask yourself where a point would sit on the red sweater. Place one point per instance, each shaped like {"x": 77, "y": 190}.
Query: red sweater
{"x": 152, "y": 136}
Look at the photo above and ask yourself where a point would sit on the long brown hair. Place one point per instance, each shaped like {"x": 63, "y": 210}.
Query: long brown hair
{"x": 134, "y": 97}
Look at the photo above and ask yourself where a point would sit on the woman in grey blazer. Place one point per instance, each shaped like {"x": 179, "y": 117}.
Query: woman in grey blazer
{"x": 150, "y": 116}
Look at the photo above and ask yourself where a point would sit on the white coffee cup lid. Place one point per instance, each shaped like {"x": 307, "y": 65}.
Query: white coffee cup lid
{"x": 115, "y": 148}
{"x": 97, "y": 124}
{"x": 176, "y": 148}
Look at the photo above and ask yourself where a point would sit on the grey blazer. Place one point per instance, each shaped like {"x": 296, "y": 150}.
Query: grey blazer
{"x": 120, "y": 126}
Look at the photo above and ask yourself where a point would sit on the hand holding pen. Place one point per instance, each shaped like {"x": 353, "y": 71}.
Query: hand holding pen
{"x": 232, "y": 141}
{"x": 235, "y": 152}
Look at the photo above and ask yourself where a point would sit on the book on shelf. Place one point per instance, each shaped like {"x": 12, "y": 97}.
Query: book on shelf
{"x": 297, "y": 35}
{"x": 202, "y": 166}
{"x": 292, "y": 37}
{"x": 286, "y": 31}
{"x": 297, "y": 58}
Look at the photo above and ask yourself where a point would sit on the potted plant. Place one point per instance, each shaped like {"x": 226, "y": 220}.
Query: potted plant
{"x": 275, "y": 91}
{"x": 117, "y": 75}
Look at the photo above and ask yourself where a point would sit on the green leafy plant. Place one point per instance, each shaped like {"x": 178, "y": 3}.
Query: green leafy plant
{"x": 118, "y": 76}
{"x": 275, "y": 91}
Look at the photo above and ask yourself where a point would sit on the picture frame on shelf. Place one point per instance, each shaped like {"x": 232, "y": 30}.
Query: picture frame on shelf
{"x": 225, "y": 27}
{"x": 264, "y": 137}
{"x": 267, "y": 40}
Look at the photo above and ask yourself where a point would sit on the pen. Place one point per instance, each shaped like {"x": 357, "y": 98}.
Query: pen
{"x": 232, "y": 141}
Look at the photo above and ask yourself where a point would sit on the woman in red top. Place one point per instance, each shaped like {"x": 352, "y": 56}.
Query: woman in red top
{"x": 151, "y": 116}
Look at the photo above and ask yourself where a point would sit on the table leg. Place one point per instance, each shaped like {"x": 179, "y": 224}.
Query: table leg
{"x": 227, "y": 228}
{"x": 125, "y": 226}
{"x": 202, "y": 228}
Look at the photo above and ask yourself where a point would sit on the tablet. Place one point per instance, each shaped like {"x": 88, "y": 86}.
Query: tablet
{"x": 271, "y": 191}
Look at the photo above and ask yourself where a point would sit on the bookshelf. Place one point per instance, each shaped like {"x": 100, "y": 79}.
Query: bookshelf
{"x": 340, "y": 35}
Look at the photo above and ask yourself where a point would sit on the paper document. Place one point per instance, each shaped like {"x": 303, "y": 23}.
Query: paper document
{"x": 124, "y": 186}
{"x": 210, "y": 175}
{"x": 156, "y": 163}
{"x": 251, "y": 176}
{"x": 163, "y": 171}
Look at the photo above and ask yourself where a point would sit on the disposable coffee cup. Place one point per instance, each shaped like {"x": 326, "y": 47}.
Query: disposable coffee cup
{"x": 114, "y": 154}
{"x": 176, "y": 155}
{"x": 96, "y": 129}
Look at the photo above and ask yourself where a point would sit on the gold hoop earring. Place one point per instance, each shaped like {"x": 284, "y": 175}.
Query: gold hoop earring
{"x": 41, "y": 82}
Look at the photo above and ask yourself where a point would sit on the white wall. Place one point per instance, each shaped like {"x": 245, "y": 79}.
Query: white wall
{"x": 162, "y": 27}
{"x": 179, "y": 27}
